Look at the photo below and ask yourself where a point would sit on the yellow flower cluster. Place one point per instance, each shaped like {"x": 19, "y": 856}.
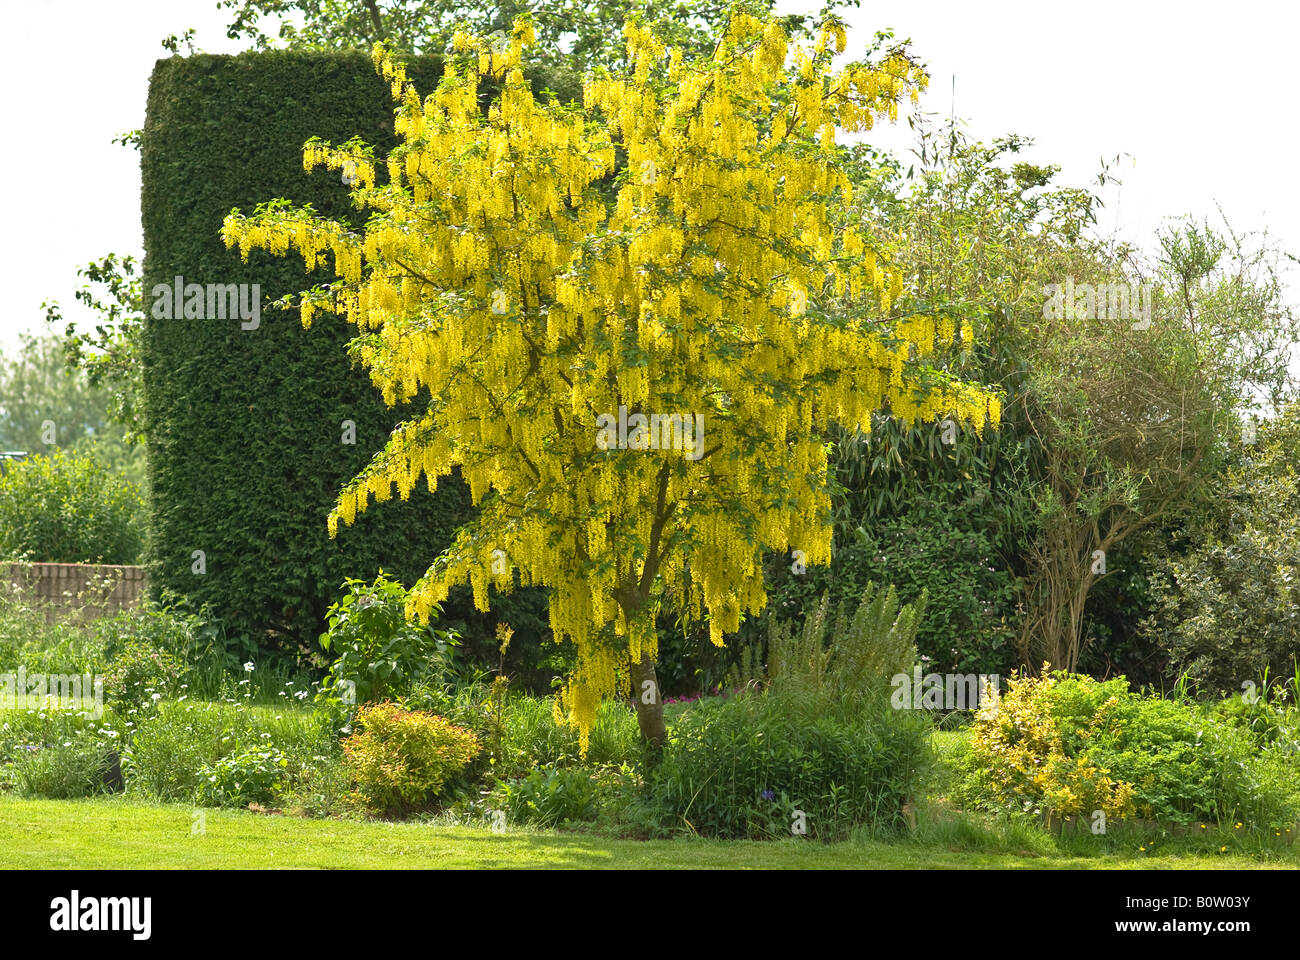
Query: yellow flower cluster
{"x": 499, "y": 278}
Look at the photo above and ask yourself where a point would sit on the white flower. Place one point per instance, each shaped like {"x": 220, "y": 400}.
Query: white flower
{"x": 248, "y": 667}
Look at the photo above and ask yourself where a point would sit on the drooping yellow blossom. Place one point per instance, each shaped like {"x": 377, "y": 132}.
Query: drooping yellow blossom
{"x": 533, "y": 286}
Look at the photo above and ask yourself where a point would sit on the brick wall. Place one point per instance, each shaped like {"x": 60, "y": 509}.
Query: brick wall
{"x": 81, "y": 590}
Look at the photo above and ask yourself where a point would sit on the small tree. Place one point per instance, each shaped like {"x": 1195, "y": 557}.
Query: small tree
{"x": 1135, "y": 416}
{"x": 635, "y": 321}
{"x": 110, "y": 356}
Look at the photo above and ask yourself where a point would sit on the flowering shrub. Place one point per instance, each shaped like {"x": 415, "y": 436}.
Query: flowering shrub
{"x": 378, "y": 652}
{"x": 401, "y": 759}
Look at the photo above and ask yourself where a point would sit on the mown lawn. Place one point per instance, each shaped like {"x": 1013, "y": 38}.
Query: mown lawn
{"x": 115, "y": 833}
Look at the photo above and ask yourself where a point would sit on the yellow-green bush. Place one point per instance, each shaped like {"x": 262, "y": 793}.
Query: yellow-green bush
{"x": 1074, "y": 745}
{"x": 1025, "y": 758}
{"x": 400, "y": 759}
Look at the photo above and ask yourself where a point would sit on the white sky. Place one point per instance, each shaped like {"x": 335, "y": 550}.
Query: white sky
{"x": 1199, "y": 97}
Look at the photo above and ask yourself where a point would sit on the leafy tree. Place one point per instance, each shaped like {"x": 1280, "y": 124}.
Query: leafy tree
{"x": 535, "y": 309}
{"x": 572, "y": 34}
{"x": 1135, "y": 415}
{"x": 45, "y": 404}
{"x": 110, "y": 355}
{"x": 1108, "y": 433}
{"x": 931, "y": 507}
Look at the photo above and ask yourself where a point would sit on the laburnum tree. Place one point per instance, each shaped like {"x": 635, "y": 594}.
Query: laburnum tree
{"x": 669, "y": 249}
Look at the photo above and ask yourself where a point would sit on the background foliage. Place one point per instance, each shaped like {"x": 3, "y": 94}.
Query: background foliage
{"x": 244, "y": 426}
{"x": 68, "y": 508}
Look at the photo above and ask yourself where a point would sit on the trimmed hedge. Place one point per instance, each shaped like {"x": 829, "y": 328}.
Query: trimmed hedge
{"x": 245, "y": 426}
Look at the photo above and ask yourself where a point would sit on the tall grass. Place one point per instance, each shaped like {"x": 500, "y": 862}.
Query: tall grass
{"x": 810, "y": 744}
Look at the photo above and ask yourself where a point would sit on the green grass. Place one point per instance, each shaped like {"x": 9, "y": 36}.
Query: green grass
{"x": 115, "y": 833}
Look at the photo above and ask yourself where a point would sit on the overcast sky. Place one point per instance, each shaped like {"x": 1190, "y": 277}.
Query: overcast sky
{"x": 1198, "y": 98}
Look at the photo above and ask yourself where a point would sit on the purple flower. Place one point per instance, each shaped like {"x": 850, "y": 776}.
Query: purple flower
{"x": 768, "y": 795}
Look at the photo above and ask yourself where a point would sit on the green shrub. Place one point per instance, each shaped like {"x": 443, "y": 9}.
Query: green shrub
{"x": 745, "y": 766}
{"x": 163, "y": 759}
{"x": 401, "y": 759}
{"x": 140, "y": 672}
{"x": 378, "y": 653}
{"x": 1072, "y": 745}
{"x": 549, "y": 796}
{"x": 811, "y": 742}
{"x": 1227, "y": 609}
{"x": 68, "y": 508}
{"x": 250, "y": 776}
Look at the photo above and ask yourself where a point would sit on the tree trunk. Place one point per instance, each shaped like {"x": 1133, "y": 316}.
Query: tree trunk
{"x": 649, "y": 703}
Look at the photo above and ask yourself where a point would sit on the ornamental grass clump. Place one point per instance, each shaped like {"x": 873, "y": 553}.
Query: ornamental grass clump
{"x": 810, "y": 745}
